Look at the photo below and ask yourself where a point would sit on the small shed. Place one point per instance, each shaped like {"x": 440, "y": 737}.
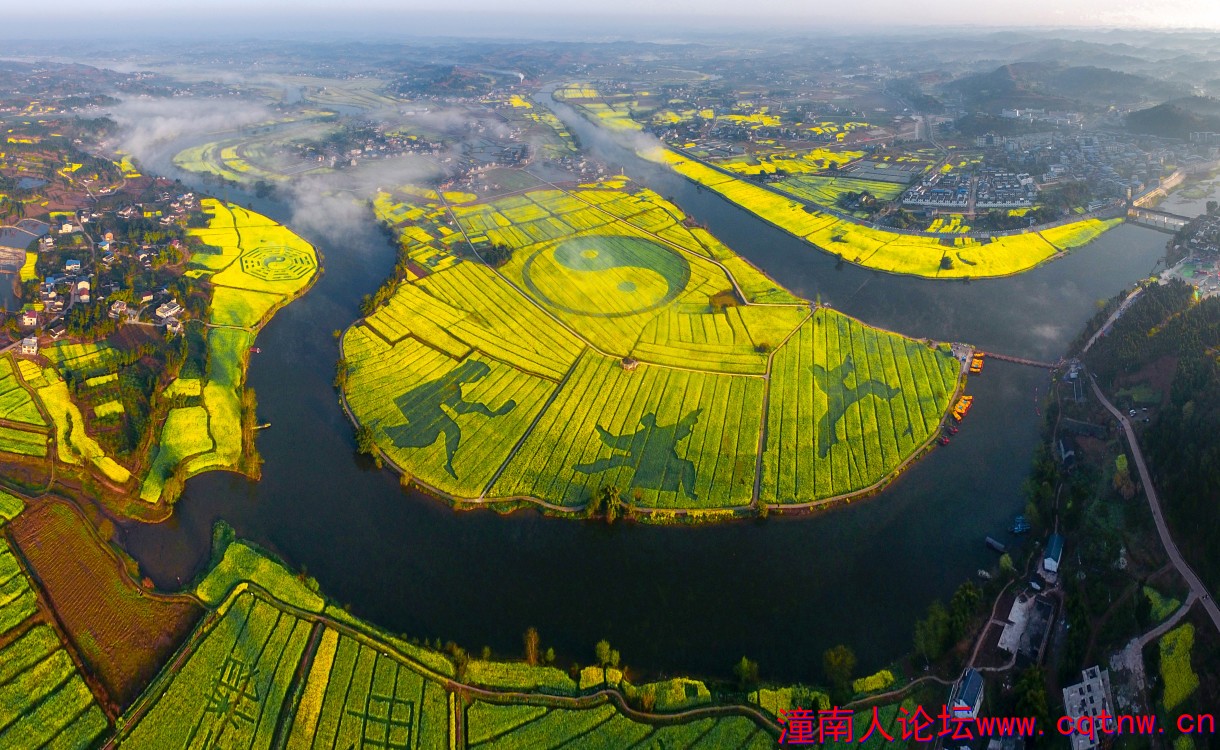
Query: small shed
{"x": 1053, "y": 553}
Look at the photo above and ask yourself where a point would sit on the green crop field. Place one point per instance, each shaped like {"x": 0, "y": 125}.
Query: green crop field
{"x": 872, "y": 399}
{"x": 231, "y": 689}
{"x": 520, "y": 727}
{"x": 256, "y": 266}
{"x": 16, "y": 403}
{"x": 615, "y": 345}
{"x": 827, "y": 190}
{"x": 260, "y": 667}
{"x": 42, "y": 697}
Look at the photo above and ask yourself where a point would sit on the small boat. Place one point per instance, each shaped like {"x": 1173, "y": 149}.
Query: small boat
{"x": 255, "y": 350}
{"x": 263, "y": 426}
{"x": 944, "y": 439}
{"x": 984, "y": 575}
{"x": 1020, "y": 525}
{"x": 996, "y": 545}
{"x": 953, "y": 430}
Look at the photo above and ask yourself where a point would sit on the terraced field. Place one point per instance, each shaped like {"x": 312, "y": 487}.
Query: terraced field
{"x": 613, "y": 345}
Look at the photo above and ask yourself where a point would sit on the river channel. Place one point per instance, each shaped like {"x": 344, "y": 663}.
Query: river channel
{"x": 673, "y": 600}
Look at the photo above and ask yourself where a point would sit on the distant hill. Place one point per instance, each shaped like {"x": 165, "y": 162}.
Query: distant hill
{"x": 1177, "y": 118}
{"x": 1038, "y": 84}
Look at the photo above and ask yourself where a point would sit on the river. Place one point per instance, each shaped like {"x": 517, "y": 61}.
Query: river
{"x": 673, "y": 600}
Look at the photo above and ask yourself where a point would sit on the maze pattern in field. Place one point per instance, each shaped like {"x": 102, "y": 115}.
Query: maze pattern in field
{"x": 357, "y": 695}
{"x": 230, "y": 692}
{"x": 848, "y": 404}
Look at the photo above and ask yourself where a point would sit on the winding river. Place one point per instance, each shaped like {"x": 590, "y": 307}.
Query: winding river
{"x": 673, "y": 600}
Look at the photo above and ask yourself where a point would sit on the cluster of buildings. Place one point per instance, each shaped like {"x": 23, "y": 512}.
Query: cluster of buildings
{"x": 980, "y": 191}
{"x": 1053, "y": 117}
{"x": 73, "y": 283}
{"x": 1111, "y": 163}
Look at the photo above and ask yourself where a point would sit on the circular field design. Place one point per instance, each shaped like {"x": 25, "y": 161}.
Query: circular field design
{"x": 606, "y": 277}
{"x": 278, "y": 263}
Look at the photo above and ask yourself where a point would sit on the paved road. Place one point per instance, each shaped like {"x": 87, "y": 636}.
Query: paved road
{"x": 1197, "y": 588}
{"x": 1122, "y": 308}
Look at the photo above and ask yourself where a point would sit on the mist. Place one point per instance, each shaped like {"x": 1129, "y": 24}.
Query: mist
{"x": 336, "y": 205}
{"x": 150, "y": 127}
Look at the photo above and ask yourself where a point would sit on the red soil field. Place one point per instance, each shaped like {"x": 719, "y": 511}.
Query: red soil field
{"x": 123, "y": 633}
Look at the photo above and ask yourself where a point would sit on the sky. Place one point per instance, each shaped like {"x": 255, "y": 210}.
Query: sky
{"x": 593, "y": 19}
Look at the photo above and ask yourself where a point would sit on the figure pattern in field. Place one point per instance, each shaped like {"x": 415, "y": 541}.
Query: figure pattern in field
{"x": 427, "y": 409}
{"x": 234, "y": 699}
{"x": 653, "y": 451}
{"x": 387, "y": 722}
{"x": 840, "y": 395}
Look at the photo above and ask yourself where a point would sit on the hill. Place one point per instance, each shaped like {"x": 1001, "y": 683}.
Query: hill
{"x": 1039, "y": 84}
{"x": 1177, "y": 118}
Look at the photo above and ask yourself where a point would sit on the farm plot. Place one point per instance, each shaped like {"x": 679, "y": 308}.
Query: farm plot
{"x": 123, "y": 633}
{"x": 884, "y": 250}
{"x": 826, "y": 191}
{"x": 22, "y": 442}
{"x": 667, "y": 438}
{"x": 849, "y": 404}
{"x": 42, "y": 697}
{"x": 232, "y": 688}
{"x": 451, "y": 422}
{"x": 73, "y": 444}
{"x": 514, "y": 726}
{"x": 359, "y": 695}
{"x": 616, "y": 345}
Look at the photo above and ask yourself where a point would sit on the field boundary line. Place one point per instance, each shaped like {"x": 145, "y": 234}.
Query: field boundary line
{"x": 530, "y": 429}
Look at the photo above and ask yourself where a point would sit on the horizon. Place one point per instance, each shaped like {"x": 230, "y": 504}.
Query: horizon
{"x": 130, "y": 22}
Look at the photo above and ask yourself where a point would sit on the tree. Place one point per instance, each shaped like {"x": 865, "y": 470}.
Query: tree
{"x": 1031, "y": 695}
{"x": 366, "y": 445}
{"x": 606, "y": 502}
{"x": 932, "y": 632}
{"x": 838, "y": 664}
{"x": 1006, "y": 565}
{"x": 1212, "y": 207}
{"x": 962, "y": 606}
{"x": 602, "y": 652}
{"x": 746, "y": 671}
{"x": 532, "y": 643}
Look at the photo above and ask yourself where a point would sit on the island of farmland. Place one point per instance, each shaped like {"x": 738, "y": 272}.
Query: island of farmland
{"x": 563, "y": 346}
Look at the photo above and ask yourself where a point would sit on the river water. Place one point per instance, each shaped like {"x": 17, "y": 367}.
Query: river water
{"x": 672, "y": 600}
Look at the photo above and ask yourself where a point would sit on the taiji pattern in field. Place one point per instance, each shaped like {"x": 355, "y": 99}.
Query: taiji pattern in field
{"x": 615, "y": 345}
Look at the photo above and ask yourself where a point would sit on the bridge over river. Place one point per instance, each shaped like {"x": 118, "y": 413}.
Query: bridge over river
{"x": 1162, "y": 221}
